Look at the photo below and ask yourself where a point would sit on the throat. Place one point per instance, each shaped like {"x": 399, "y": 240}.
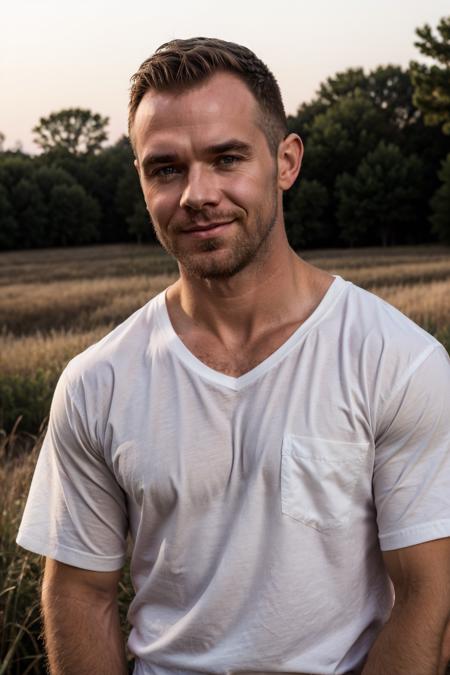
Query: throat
{"x": 234, "y": 353}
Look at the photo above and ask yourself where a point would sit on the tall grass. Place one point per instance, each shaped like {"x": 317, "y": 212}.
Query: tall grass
{"x": 79, "y": 305}
{"x": 88, "y": 262}
{"x": 21, "y": 639}
{"x": 20, "y": 643}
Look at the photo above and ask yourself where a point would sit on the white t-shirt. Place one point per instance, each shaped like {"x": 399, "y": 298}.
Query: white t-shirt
{"x": 258, "y": 506}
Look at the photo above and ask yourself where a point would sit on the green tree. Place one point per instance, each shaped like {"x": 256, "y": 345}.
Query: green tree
{"x": 139, "y": 224}
{"x": 389, "y": 88}
{"x": 30, "y": 211}
{"x": 15, "y": 204}
{"x": 305, "y": 219}
{"x": 130, "y": 204}
{"x": 75, "y": 130}
{"x": 47, "y": 177}
{"x": 100, "y": 174}
{"x": 13, "y": 168}
{"x": 351, "y": 112}
{"x": 440, "y": 204}
{"x": 341, "y": 137}
{"x": 378, "y": 204}
{"x": 338, "y": 140}
{"x": 432, "y": 83}
{"x": 73, "y": 216}
{"x": 109, "y": 169}
{"x": 43, "y": 205}
{"x": 9, "y": 230}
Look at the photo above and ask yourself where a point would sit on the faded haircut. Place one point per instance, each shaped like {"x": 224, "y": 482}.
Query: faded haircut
{"x": 179, "y": 65}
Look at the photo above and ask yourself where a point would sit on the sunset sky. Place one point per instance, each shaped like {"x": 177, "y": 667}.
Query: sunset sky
{"x": 56, "y": 54}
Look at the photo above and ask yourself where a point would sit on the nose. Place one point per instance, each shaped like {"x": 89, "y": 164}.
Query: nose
{"x": 201, "y": 189}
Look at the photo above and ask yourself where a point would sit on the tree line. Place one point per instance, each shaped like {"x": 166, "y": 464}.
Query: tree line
{"x": 376, "y": 169}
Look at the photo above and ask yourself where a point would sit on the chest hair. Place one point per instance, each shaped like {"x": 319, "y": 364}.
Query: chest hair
{"x": 239, "y": 360}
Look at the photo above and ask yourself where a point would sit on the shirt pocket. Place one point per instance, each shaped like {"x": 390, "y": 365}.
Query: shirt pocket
{"x": 318, "y": 479}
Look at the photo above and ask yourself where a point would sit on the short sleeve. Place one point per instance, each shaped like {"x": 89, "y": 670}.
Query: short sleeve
{"x": 411, "y": 479}
{"x": 76, "y": 511}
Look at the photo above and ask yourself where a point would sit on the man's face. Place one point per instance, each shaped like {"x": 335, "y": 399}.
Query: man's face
{"x": 208, "y": 177}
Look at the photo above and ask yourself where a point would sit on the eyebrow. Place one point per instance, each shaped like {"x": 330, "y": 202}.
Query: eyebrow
{"x": 153, "y": 160}
{"x": 232, "y": 144}
{"x": 227, "y": 146}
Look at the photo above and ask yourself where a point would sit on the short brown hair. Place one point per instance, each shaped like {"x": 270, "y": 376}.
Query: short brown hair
{"x": 181, "y": 64}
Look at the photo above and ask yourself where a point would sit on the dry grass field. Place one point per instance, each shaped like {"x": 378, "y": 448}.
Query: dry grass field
{"x": 54, "y": 303}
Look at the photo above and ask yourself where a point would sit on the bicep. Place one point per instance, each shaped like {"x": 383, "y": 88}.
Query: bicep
{"x": 81, "y": 620}
{"x": 412, "y": 460}
{"x": 423, "y": 569}
{"x": 69, "y": 580}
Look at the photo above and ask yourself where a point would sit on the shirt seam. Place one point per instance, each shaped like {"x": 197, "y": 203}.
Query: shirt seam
{"x": 407, "y": 376}
{"x": 414, "y": 528}
{"x": 24, "y": 538}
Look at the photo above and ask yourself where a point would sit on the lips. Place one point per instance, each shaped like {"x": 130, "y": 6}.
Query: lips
{"x": 207, "y": 230}
{"x": 207, "y": 227}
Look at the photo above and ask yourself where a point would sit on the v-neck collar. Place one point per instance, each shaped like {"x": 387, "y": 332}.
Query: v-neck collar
{"x": 176, "y": 345}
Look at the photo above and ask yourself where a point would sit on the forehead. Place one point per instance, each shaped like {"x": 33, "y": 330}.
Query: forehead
{"x": 221, "y": 105}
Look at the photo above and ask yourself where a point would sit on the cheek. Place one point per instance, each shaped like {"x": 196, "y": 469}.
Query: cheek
{"x": 249, "y": 190}
{"x": 161, "y": 207}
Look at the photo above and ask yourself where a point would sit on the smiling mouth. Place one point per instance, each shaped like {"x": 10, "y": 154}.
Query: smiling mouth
{"x": 207, "y": 230}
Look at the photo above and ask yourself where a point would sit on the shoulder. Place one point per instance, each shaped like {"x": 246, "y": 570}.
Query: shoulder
{"x": 119, "y": 353}
{"x": 381, "y": 333}
{"x": 387, "y": 353}
{"x": 100, "y": 383}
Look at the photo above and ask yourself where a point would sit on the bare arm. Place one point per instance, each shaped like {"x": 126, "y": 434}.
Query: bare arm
{"x": 412, "y": 642}
{"x": 81, "y": 621}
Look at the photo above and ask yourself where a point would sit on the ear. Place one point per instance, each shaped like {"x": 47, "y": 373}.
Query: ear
{"x": 290, "y": 154}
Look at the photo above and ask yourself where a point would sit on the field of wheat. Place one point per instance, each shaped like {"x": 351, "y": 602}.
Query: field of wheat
{"x": 55, "y": 303}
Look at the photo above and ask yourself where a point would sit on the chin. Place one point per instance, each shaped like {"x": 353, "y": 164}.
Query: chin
{"x": 212, "y": 265}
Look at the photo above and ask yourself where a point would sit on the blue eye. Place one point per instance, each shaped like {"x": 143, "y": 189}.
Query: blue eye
{"x": 166, "y": 171}
{"x": 228, "y": 160}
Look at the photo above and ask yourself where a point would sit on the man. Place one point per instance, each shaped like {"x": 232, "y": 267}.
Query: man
{"x": 273, "y": 438}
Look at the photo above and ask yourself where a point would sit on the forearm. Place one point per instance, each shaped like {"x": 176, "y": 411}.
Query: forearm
{"x": 82, "y": 635}
{"x": 411, "y": 643}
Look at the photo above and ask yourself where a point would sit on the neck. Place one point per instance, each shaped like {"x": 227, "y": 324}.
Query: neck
{"x": 274, "y": 291}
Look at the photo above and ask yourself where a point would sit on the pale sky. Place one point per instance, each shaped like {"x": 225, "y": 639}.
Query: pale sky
{"x": 58, "y": 54}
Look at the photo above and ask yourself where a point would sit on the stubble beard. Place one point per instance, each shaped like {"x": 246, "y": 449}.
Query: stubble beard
{"x": 244, "y": 249}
